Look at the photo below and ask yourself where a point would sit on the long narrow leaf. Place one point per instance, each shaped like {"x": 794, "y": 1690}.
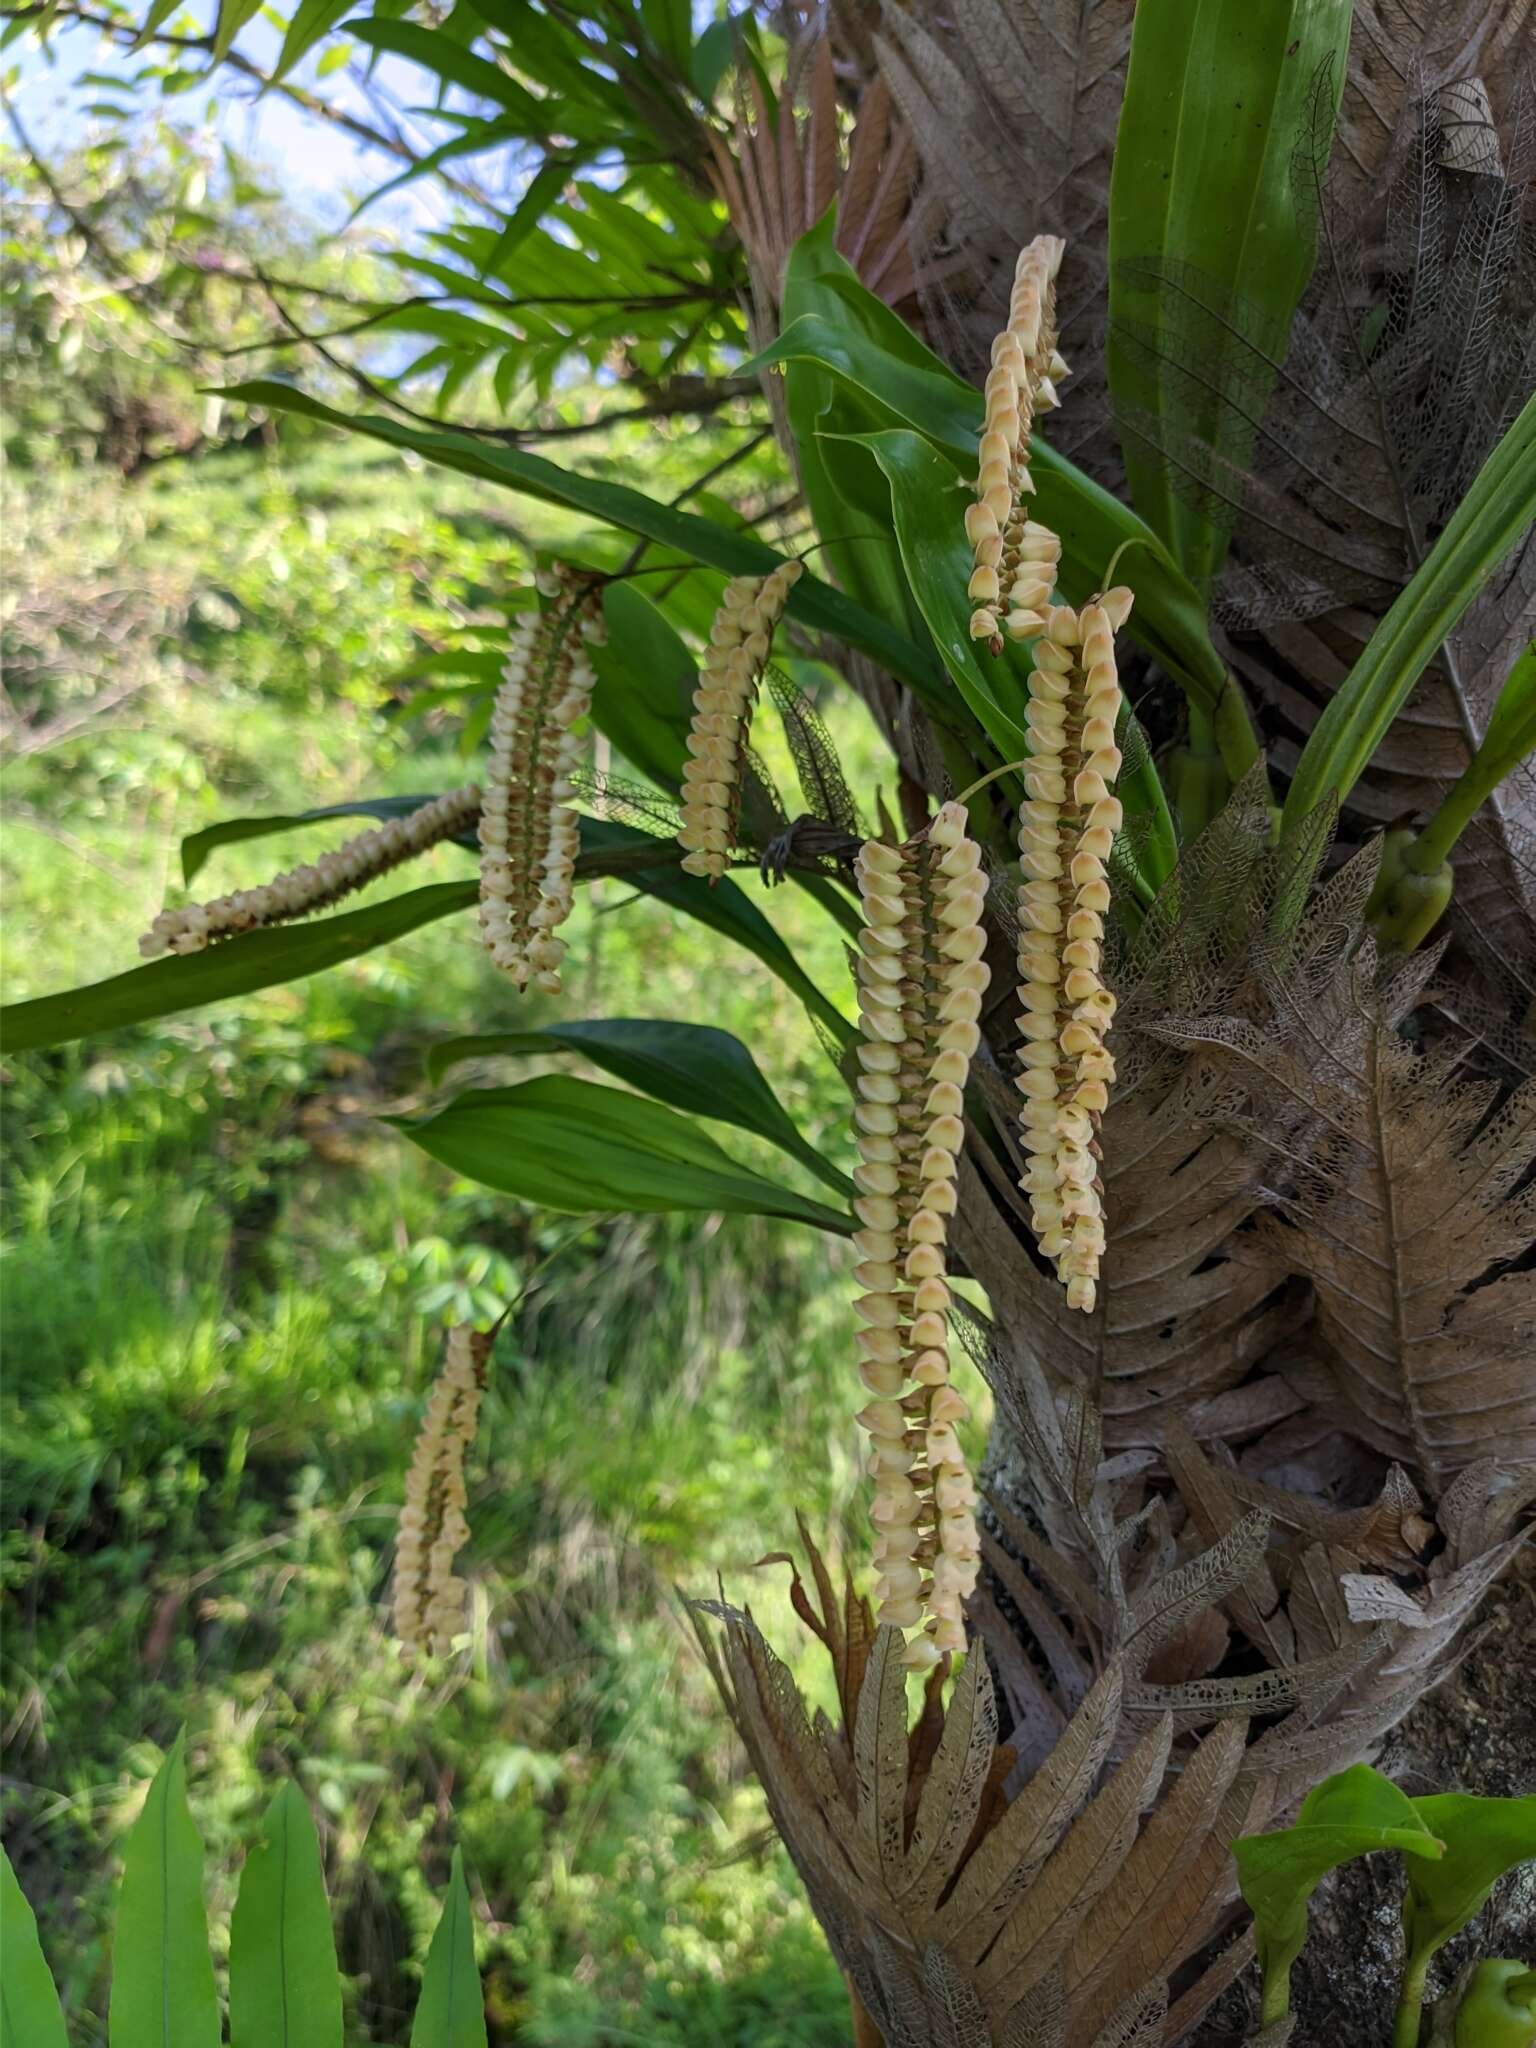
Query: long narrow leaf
{"x": 694, "y": 1067}
{"x": 162, "y": 1980}
{"x": 703, "y": 540}
{"x": 576, "y": 1145}
{"x": 29, "y": 2005}
{"x": 284, "y": 1990}
{"x": 1219, "y": 100}
{"x": 1491, "y": 520}
{"x": 451, "y": 2013}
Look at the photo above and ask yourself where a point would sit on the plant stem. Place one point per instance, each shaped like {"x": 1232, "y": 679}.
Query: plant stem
{"x": 1408, "y": 2024}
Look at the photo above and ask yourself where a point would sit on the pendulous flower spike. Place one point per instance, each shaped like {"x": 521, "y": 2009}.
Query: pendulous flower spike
{"x": 316, "y": 885}
{"x": 922, "y": 909}
{"x": 1065, "y": 1009}
{"x": 723, "y": 703}
{"x": 528, "y": 827}
{"x": 428, "y": 1598}
{"x": 1015, "y": 558}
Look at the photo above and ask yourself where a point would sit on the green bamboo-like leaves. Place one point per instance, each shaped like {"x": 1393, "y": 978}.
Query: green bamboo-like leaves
{"x": 703, "y": 540}
{"x": 1351, "y": 1814}
{"x": 162, "y": 1981}
{"x": 284, "y": 1990}
{"x": 692, "y": 1067}
{"x": 1491, "y": 520}
{"x": 29, "y": 2006}
{"x": 452, "y": 2009}
{"x": 578, "y": 1146}
{"x": 1212, "y": 237}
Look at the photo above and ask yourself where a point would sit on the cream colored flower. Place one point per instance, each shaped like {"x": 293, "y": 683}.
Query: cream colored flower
{"x": 429, "y": 1601}
{"x": 317, "y": 885}
{"x": 529, "y": 831}
{"x": 740, "y": 640}
{"x": 1066, "y": 830}
{"x": 921, "y": 977}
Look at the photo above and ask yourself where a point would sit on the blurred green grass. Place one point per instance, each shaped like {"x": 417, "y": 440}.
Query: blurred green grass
{"x": 224, "y": 1287}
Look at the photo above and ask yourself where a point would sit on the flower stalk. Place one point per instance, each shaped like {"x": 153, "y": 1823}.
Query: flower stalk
{"x": 921, "y": 978}
{"x": 317, "y": 885}
{"x": 740, "y": 640}
{"x": 529, "y": 831}
{"x": 1015, "y": 558}
{"x": 1067, "y": 827}
{"x": 429, "y": 1599}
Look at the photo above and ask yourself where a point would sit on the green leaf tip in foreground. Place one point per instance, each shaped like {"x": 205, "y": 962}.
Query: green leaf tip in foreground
{"x": 693, "y": 1067}
{"x": 162, "y": 1980}
{"x": 579, "y": 1146}
{"x": 451, "y": 2013}
{"x": 1483, "y": 1839}
{"x": 29, "y": 2005}
{"x": 284, "y": 1991}
{"x": 1351, "y": 1814}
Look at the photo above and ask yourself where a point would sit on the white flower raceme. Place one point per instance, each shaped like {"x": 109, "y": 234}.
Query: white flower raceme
{"x": 921, "y": 978}
{"x": 317, "y": 885}
{"x": 529, "y": 834}
{"x": 1015, "y": 558}
{"x": 739, "y": 644}
{"x": 433, "y": 1529}
{"x": 1067, "y": 827}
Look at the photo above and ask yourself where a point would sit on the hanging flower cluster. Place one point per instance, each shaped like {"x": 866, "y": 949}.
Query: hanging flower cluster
{"x": 921, "y": 977}
{"x": 1015, "y": 558}
{"x": 739, "y": 643}
{"x": 529, "y": 835}
{"x": 1067, "y": 827}
{"x": 428, "y": 1598}
{"x": 316, "y": 885}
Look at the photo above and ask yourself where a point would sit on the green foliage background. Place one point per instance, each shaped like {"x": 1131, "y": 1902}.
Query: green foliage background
{"x": 225, "y": 1282}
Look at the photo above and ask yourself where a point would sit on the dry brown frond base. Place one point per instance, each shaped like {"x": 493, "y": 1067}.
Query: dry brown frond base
{"x": 1476, "y": 1733}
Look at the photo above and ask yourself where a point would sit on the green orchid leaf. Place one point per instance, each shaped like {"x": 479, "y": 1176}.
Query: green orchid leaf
{"x": 1212, "y": 238}
{"x": 162, "y": 1980}
{"x": 692, "y": 1067}
{"x": 1349, "y": 1815}
{"x": 703, "y": 540}
{"x": 451, "y": 2013}
{"x": 234, "y": 967}
{"x": 30, "y": 2016}
{"x": 284, "y": 1989}
{"x": 576, "y": 1145}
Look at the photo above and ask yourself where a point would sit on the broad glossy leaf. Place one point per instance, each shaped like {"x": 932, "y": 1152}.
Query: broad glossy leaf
{"x": 235, "y": 967}
{"x": 703, "y": 540}
{"x": 284, "y": 1990}
{"x": 1205, "y": 198}
{"x": 29, "y": 2005}
{"x": 451, "y": 2012}
{"x": 1490, "y": 521}
{"x": 694, "y": 1067}
{"x": 1349, "y": 1815}
{"x": 162, "y": 1981}
{"x": 576, "y": 1145}
{"x": 643, "y": 697}
{"x": 1483, "y": 1839}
